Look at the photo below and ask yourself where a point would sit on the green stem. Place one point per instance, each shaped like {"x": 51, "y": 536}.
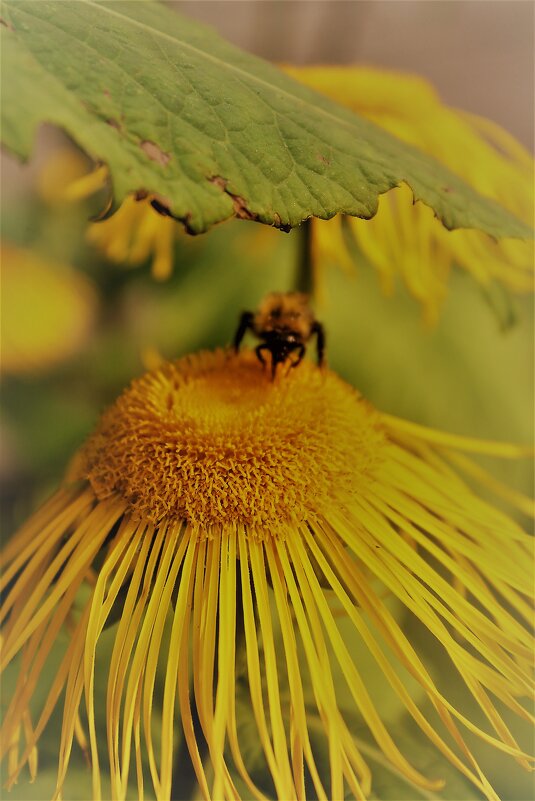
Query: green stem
{"x": 304, "y": 279}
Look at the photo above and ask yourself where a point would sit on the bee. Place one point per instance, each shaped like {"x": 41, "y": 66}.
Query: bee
{"x": 285, "y": 323}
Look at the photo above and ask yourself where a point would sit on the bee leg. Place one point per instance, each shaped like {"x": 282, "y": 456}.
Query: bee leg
{"x": 246, "y": 322}
{"x": 258, "y": 350}
{"x": 274, "y": 363}
{"x": 319, "y": 330}
{"x": 300, "y": 355}
{"x": 275, "y": 359}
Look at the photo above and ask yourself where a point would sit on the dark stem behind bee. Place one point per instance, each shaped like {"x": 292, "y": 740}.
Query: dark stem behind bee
{"x": 304, "y": 279}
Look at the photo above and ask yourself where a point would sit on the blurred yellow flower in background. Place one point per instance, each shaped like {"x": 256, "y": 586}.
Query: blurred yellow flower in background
{"x": 135, "y": 233}
{"x": 241, "y": 507}
{"x": 48, "y": 311}
{"x": 405, "y": 239}
{"x": 66, "y": 175}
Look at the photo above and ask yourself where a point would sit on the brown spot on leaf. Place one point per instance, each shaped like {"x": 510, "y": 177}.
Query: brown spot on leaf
{"x": 240, "y": 204}
{"x": 155, "y": 153}
{"x": 114, "y": 124}
{"x": 447, "y": 189}
{"x": 278, "y": 223}
{"x": 141, "y": 194}
{"x": 220, "y": 182}
{"x": 240, "y": 208}
{"x": 185, "y": 220}
{"x": 161, "y": 207}
{"x": 322, "y": 158}
{"x": 6, "y": 24}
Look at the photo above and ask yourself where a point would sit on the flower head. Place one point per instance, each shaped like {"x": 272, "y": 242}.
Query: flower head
{"x": 236, "y": 504}
{"x": 197, "y": 440}
{"x": 405, "y": 239}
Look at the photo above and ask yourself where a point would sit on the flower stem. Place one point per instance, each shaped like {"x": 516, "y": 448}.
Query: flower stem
{"x": 304, "y": 279}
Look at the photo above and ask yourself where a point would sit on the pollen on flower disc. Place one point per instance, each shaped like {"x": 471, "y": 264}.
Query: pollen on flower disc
{"x": 210, "y": 438}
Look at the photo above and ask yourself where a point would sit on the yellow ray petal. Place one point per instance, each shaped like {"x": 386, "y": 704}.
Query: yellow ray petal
{"x": 312, "y": 594}
{"x": 180, "y": 622}
{"x": 280, "y": 743}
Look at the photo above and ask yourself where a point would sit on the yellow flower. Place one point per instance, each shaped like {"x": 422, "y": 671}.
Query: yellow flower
{"x": 47, "y": 311}
{"x": 66, "y": 175}
{"x": 233, "y": 503}
{"x": 406, "y": 240}
{"x": 133, "y": 234}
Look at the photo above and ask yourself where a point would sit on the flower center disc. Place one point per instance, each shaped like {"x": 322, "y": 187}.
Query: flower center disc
{"x": 210, "y": 438}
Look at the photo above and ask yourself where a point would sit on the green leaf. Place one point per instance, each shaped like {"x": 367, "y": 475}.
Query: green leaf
{"x": 176, "y": 111}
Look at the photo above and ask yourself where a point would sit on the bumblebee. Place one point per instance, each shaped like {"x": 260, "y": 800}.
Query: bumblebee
{"x": 285, "y": 323}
